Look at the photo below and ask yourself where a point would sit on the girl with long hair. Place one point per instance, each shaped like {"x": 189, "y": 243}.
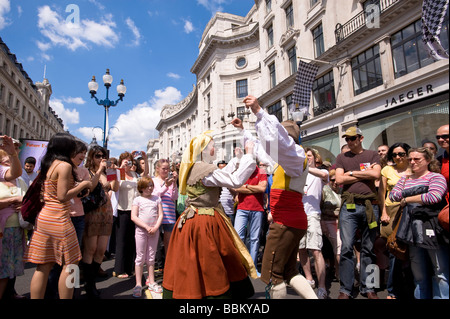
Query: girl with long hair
{"x": 54, "y": 239}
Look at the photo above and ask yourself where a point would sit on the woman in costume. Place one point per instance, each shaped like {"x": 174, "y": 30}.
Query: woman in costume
{"x": 206, "y": 258}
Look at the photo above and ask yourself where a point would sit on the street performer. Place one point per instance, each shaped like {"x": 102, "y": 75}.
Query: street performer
{"x": 206, "y": 258}
{"x": 289, "y": 218}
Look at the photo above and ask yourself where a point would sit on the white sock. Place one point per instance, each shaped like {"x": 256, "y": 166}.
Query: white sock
{"x": 278, "y": 291}
{"x": 302, "y": 287}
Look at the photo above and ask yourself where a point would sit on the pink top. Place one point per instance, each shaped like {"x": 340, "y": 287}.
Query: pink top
{"x": 76, "y": 209}
{"x": 147, "y": 209}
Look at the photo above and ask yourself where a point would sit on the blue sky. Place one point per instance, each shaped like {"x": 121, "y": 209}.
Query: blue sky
{"x": 151, "y": 44}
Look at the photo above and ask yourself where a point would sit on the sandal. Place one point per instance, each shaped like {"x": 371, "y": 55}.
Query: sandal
{"x": 122, "y": 276}
{"x": 155, "y": 288}
{"x": 137, "y": 292}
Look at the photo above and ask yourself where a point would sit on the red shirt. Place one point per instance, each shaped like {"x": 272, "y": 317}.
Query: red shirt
{"x": 253, "y": 201}
{"x": 445, "y": 172}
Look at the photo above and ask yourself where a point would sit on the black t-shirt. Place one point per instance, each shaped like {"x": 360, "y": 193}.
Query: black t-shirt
{"x": 358, "y": 162}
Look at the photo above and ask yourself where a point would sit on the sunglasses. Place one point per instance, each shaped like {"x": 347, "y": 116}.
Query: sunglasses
{"x": 443, "y": 136}
{"x": 400, "y": 154}
{"x": 351, "y": 138}
{"x": 99, "y": 156}
{"x": 332, "y": 180}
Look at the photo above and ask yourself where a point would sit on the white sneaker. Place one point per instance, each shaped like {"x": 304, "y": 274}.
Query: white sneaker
{"x": 312, "y": 283}
{"x": 322, "y": 293}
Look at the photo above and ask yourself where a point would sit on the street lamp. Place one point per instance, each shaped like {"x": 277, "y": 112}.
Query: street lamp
{"x": 297, "y": 115}
{"x": 106, "y": 103}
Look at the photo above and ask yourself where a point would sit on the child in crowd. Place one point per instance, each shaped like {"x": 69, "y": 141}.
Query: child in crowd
{"x": 147, "y": 214}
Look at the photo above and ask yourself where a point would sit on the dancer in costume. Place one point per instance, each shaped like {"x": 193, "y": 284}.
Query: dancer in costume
{"x": 279, "y": 265}
{"x": 206, "y": 258}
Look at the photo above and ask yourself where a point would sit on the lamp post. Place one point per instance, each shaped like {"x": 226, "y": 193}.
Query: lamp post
{"x": 297, "y": 116}
{"x": 106, "y": 103}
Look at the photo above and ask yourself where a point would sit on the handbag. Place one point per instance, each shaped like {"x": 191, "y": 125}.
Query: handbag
{"x": 95, "y": 199}
{"x": 443, "y": 218}
{"x": 395, "y": 246}
{"x": 32, "y": 202}
{"x": 394, "y": 212}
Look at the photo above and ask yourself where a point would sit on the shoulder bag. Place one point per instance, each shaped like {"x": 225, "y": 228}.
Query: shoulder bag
{"x": 32, "y": 202}
{"x": 95, "y": 199}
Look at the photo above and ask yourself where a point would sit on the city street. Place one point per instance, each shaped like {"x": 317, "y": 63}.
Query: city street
{"x": 114, "y": 288}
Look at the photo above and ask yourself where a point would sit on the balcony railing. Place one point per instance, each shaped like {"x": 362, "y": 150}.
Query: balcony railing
{"x": 343, "y": 31}
{"x": 320, "y": 109}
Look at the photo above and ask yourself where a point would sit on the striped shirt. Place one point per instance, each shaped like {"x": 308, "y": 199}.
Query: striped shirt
{"x": 168, "y": 197}
{"x": 437, "y": 188}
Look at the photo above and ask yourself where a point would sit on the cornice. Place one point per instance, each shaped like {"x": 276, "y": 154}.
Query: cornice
{"x": 215, "y": 41}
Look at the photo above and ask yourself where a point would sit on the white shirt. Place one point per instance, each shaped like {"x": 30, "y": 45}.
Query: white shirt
{"x": 283, "y": 149}
{"x": 313, "y": 193}
{"x": 226, "y": 178}
{"x": 28, "y": 178}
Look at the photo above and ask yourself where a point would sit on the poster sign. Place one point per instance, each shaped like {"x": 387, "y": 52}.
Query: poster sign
{"x": 34, "y": 148}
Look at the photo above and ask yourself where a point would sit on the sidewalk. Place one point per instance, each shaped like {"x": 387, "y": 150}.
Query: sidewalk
{"x": 115, "y": 288}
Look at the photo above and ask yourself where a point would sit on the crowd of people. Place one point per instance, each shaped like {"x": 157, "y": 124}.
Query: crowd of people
{"x": 288, "y": 218}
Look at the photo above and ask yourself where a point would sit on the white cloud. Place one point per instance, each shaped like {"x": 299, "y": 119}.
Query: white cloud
{"x": 43, "y": 46}
{"x": 188, "y": 26}
{"x": 74, "y": 100}
{"x": 5, "y": 7}
{"x": 19, "y": 11}
{"x": 173, "y": 75}
{"x": 73, "y": 36}
{"x": 136, "y": 127}
{"x": 69, "y": 116}
{"x": 213, "y": 5}
{"x": 98, "y": 4}
{"x": 137, "y": 34}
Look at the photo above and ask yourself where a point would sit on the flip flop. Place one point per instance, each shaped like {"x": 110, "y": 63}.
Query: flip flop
{"x": 137, "y": 292}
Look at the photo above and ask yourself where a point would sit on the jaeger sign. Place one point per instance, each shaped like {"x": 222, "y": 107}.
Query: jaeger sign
{"x": 409, "y": 96}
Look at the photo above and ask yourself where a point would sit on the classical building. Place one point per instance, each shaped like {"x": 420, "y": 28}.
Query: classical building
{"x": 24, "y": 105}
{"x": 374, "y": 72}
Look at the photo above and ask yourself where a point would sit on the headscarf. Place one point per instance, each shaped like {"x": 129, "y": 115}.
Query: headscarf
{"x": 190, "y": 155}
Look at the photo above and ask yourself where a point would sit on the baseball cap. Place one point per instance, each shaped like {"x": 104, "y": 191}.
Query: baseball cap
{"x": 352, "y": 131}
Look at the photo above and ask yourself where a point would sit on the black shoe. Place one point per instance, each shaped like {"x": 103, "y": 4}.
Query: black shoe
{"x": 90, "y": 271}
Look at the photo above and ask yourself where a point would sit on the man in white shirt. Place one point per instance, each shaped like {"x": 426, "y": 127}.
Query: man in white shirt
{"x": 289, "y": 219}
{"x": 28, "y": 173}
{"x": 312, "y": 241}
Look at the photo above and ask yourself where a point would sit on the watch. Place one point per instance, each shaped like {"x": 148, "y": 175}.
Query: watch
{"x": 351, "y": 173}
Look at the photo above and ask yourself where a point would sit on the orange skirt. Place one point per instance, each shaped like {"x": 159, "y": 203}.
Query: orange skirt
{"x": 202, "y": 260}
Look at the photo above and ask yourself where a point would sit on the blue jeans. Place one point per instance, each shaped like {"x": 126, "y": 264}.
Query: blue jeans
{"x": 430, "y": 269}
{"x": 78, "y": 223}
{"x": 254, "y": 221}
{"x": 349, "y": 221}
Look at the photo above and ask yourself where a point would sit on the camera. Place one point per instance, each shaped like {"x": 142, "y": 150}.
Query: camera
{"x": 170, "y": 175}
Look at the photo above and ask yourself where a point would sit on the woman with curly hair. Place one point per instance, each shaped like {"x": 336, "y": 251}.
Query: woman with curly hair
{"x": 98, "y": 223}
{"x": 124, "y": 227}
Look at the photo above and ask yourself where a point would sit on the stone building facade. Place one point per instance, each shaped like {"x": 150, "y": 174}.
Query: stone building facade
{"x": 374, "y": 72}
{"x": 24, "y": 105}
